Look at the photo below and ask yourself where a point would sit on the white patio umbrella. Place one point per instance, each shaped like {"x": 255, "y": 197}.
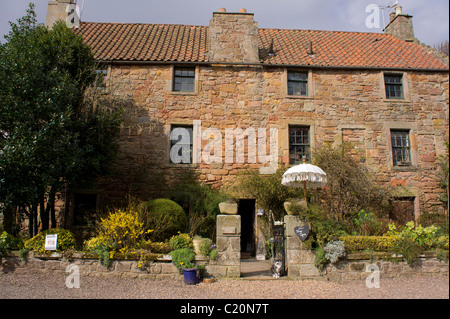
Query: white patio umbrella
{"x": 304, "y": 175}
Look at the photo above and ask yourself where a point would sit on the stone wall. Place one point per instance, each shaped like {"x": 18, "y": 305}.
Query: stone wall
{"x": 354, "y": 267}
{"x": 162, "y": 268}
{"x": 299, "y": 259}
{"x": 300, "y": 262}
{"x": 89, "y": 266}
{"x": 233, "y": 37}
{"x": 343, "y": 105}
{"x": 228, "y": 243}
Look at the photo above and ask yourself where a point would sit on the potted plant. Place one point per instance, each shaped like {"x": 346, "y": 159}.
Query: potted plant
{"x": 183, "y": 259}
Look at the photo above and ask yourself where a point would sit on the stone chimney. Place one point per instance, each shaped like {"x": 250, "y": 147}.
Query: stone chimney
{"x": 56, "y": 10}
{"x": 233, "y": 37}
{"x": 400, "y": 25}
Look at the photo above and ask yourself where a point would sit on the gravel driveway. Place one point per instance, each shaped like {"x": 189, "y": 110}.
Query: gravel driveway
{"x": 42, "y": 286}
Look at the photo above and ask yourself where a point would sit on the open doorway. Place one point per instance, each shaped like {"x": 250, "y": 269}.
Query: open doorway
{"x": 246, "y": 209}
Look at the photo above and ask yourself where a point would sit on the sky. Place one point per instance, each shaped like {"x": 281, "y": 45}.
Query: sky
{"x": 430, "y": 18}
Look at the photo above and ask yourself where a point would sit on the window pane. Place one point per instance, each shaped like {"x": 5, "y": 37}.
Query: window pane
{"x": 394, "y": 86}
{"x": 299, "y": 145}
{"x": 297, "y": 83}
{"x": 393, "y": 79}
{"x": 298, "y": 76}
{"x": 184, "y": 80}
{"x": 297, "y": 88}
{"x": 401, "y": 153}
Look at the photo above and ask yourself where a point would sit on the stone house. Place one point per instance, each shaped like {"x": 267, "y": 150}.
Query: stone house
{"x": 383, "y": 92}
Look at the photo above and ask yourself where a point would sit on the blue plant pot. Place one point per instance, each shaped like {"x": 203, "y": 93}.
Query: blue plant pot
{"x": 190, "y": 276}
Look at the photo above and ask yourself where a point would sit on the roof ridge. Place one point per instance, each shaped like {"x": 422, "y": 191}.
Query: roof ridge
{"x": 205, "y": 26}
{"x": 188, "y": 43}
{"x": 331, "y": 31}
{"x": 142, "y": 23}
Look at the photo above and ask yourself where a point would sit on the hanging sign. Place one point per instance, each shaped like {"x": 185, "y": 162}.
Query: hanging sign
{"x": 302, "y": 232}
{"x": 50, "y": 242}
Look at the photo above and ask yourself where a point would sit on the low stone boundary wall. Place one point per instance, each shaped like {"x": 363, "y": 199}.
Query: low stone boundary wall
{"x": 160, "y": 269}
{"x": 356, "y": 267}
{"x": 300, "y": 261}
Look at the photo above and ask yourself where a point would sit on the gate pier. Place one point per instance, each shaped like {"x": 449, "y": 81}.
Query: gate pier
{"x": 299, "y": 259}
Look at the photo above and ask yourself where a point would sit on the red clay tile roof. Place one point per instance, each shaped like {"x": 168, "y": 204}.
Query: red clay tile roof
{"x": 145, "y": 42}
{"x": 185, "y": 43}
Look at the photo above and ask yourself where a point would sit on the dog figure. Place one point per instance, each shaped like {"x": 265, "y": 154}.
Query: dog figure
{"x": 276, "y": 269}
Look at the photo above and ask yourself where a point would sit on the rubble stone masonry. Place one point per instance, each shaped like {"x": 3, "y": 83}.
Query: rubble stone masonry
{"x": 343, "y": 105}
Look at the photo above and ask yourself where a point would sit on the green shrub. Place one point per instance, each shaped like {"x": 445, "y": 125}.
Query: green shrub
{"x": 156, "y": 247}
{"x": 66, "y": 240}
{"x": 425, "y": 237}
{"x": 442, "y": 242}
{"x": 165, "y": 217}
{"x": 367, "y": 224}
{"x": 183, "y": 259}
{"x": 9, "y": 242}
{"x": 207, "y": 248}
{"x": 408, "y": 249}
{"x": 181, "y": 241}
{"x": 375, "y": 243}
{"x": 320, "y": 259}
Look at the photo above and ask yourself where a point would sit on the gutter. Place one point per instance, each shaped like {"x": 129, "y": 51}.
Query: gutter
{"x": 267, "y": 65}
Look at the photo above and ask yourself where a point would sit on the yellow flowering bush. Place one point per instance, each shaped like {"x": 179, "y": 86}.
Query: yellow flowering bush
{"x": 442, "y": 242}
{"x": 66, "y": 240}
{"x": 425, "y": 237}
{"x": 123, "y": 229}
{"x": 95, "y": 242}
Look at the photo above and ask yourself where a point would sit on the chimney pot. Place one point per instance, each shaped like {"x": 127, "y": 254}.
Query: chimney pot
{"x": 243, "y": 10}
{"x": 398, "y": 10}
{"x": 222, "y": 10}
{"x": 392, "y": 16}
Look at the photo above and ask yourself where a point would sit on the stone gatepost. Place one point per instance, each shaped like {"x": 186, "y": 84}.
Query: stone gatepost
{"x": 299, "y": 259}
{"x": 228, "y": 263}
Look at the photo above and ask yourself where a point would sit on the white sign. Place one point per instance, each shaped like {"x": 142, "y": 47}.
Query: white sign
{"x": 50, "y": 242}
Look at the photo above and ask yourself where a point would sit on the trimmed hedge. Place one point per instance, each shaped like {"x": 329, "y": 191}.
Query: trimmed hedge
{"x": 375, "y": 243}
{"x": 165, "y": 217}
{"x": 66, "y": 240}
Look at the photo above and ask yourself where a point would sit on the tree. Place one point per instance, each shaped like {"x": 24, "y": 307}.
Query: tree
{"x": 442, "y": 47}
{"x": 50, "y": 137}
{"x": 350, "y": 186}
{"x": 443, "y": 176}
